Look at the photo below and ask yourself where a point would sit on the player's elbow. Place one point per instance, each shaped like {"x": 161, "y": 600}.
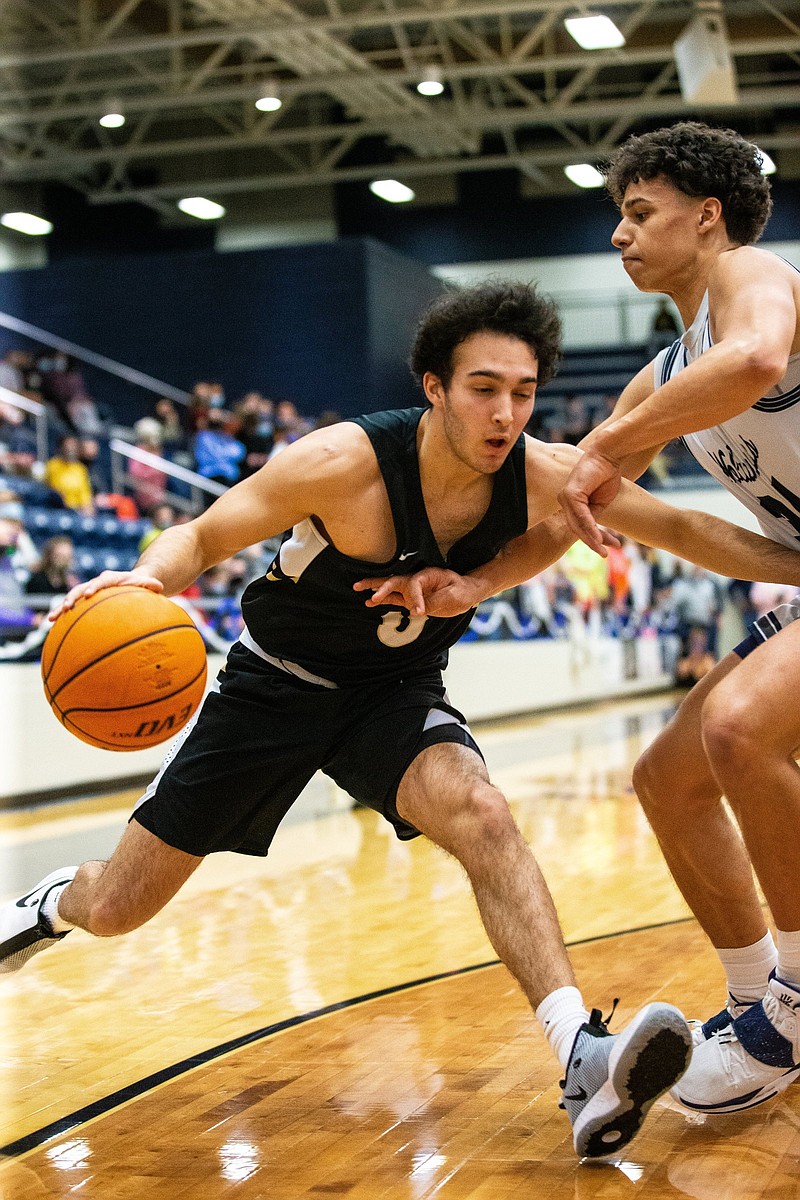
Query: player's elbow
{"x": 762, "y": 364}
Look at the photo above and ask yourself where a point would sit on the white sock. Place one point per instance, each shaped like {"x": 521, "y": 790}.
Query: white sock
{"x": 49, "y": 908}
{"x": 789, "y": 957}
{"x": 747, "y": 968}
{"x": 561, "y": 1015}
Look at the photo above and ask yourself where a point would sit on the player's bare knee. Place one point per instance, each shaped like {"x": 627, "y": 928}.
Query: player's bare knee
{"x": 108, "y": 918}
{"x": 731, "y": 737}
{"x": 485, "y": 818}
{"x": 650, "y": 782}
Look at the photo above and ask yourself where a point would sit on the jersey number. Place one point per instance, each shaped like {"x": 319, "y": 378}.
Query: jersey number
{"x": 398, "y": 628}
{"x": 776, "y": 508}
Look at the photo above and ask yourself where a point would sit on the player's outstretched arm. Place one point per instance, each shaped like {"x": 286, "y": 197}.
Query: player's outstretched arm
{"x": 755, "y": 321}
{"x": 311, "y": 475}
{"x": 708, "y": 541}
{"x": 436, "y": 592}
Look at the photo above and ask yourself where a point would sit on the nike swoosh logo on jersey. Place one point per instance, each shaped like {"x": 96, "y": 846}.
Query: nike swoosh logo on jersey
{"x": 407, "y": 554}
{"x": 23, "y": 902}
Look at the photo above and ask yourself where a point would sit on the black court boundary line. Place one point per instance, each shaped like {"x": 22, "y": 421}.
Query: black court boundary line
{"x": 133, "y": 1091}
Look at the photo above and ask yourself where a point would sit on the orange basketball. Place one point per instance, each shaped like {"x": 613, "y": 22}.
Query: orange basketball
{"x": 124, "y": 669}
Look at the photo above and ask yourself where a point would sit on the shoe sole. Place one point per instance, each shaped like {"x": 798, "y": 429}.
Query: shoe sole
{"x": 18, "y": 950}
{"x": 649, "y": 1056}
{"x": 747, "y": 1100}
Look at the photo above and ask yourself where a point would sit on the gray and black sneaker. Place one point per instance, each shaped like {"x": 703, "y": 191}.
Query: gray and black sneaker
{"x": 613, "y": 1079}
{"x": 24, "y": 930}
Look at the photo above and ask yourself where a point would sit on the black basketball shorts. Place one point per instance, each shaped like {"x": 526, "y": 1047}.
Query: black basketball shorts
{"x": 261, "y": 734}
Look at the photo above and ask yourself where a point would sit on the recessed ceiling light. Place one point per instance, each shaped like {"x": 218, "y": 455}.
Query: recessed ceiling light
{"x": 204, "y": 210}
{"x": 584, "y": 175}
{"x": 767, "y": 165}
{"x": 25, "y": 222}
{"x": 112, "y": 120}
{"x": 432, "y": 83}
{"x": 391, "y": 190}
{"x": 594, "y": 32}
{"x": 269, "y": 100}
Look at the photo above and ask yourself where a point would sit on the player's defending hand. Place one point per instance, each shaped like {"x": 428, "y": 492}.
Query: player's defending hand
{"x": 434, "y": 592}
{"x": 594, "y": 483}
{"x": 105, "y": 579}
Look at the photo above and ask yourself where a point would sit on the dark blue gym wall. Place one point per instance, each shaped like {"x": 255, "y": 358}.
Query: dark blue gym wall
{"x": 327, "y": 326}
{"x": 494, "y": 222}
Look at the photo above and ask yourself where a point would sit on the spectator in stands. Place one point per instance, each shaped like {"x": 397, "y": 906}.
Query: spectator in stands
{"x": 589, "y": 581}
{"x": 576, "y": 419}
{"x": 24, "y": 554}
{"x": 18, "y": 451}
{"x": 618, "y": 574}
{"x": 226, "y": 583}
{"x": 11, "y": 374}
{"x": 150, "y": 486}
{"x": 218, "y": 454}
{"x": 289, "y": 418}
{"x": 697, "y": 661}
{"x": 198, "y": 407}
{"x": 766, "y": 596}
{"x": 697, "y": 603}
{"x": 172, "y": 433}
{"x": 640, "y": 578}
{"x": 162, "y": 517}
{"x": 68, "y": 476}
{"x": 85, "y": 416}
{"x": 55, "y": 572}
{"x": 281, "y": 438}
{"x": 664, "y": 330}
{"x": 256, "y": 427}
{"x": 16, "y": 619}
{"x": 62, "y": 381}
{"x": 90, "y": 455}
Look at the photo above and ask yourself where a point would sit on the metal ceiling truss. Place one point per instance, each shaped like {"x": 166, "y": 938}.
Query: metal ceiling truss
{"x": 519, "y": 92}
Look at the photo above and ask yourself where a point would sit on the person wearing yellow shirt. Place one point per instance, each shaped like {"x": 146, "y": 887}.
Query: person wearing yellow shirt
{"x": 68, "y": 476}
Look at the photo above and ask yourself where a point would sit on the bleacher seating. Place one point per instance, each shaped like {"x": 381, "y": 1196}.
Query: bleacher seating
{"x": 31, "y": 491}
{"x": 102, "y": 542}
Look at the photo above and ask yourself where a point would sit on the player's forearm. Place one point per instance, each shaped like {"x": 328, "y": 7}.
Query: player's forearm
{"x": 722, "y": 383}
{"x": 728, "y": 550}
{"x": 631, "y": 466}
{"x": 523, "y": 558}
{"x": 176, "y": 558}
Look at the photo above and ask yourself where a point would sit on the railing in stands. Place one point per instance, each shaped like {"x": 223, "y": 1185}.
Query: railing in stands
{"x": 122, "y": 452}
{"x": 129, "y": 374}
{"x": 37, "y": 411}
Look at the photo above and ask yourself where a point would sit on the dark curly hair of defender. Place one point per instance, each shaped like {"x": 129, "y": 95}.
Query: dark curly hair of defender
{"x": 514, "y": 309}
{"x": 699, "y": 161}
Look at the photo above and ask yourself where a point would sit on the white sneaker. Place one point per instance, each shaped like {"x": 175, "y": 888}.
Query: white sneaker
{"x": 612, "y": 1080}
{"x": 24, "y": 930}
{"x": 748, "y": 1061}
{"x": 703, "y": 1030}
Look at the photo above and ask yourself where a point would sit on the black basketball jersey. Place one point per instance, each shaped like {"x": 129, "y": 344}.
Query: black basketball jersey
{"x": 304, "y": 611}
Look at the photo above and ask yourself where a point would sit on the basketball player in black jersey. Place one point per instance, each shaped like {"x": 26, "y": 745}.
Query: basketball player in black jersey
{"x": 693, "y": 201}
{"x": 322, "y": 681}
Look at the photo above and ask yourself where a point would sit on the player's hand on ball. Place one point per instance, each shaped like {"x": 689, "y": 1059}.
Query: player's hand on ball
{"x": 434, "y": 592}
{"x": 105, "y": 579}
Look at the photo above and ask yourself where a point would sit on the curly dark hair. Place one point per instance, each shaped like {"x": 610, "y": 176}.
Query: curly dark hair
{"x": 514, "y": 309}
{"x": 699, "y": 161}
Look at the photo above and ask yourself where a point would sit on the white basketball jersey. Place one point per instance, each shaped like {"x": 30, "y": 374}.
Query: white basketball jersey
{"x": 755, "y": 455}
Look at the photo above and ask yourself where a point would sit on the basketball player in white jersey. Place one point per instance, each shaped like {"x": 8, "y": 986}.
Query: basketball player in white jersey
{"x": 693, "y": 203}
